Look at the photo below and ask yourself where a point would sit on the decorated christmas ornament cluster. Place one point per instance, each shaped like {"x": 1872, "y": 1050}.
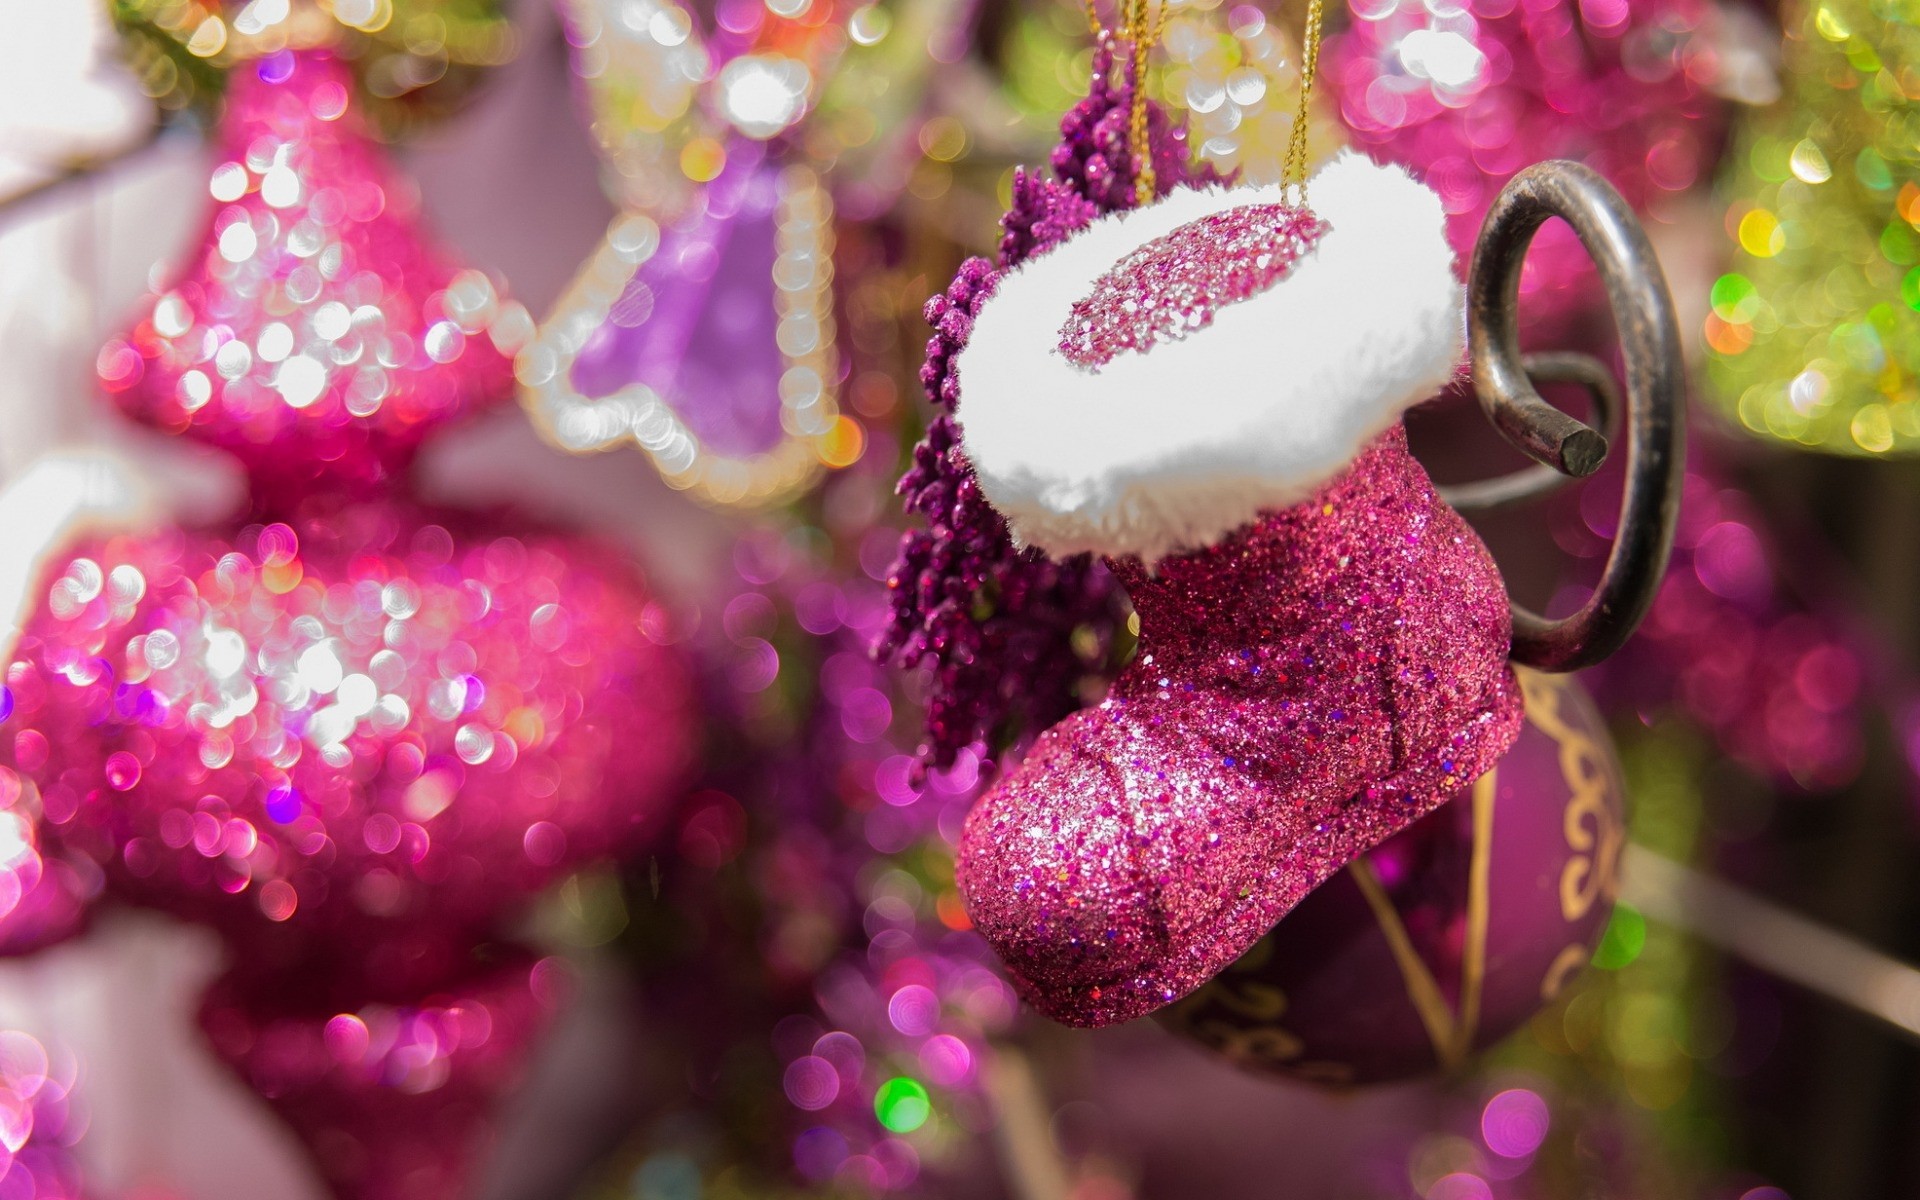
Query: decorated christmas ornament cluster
{"x": 1170, "y": 684}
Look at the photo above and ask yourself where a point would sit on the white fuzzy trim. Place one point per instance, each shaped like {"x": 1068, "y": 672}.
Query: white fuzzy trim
{"x": 1173, "y": 448}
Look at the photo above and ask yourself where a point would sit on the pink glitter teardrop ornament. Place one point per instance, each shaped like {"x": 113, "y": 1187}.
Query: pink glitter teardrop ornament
{"x": 350, "y": 733}
{"x": 315, "y": 334}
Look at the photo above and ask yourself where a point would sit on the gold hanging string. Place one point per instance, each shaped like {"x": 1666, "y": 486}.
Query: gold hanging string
{"x": 1140, "y": 28}
{"x": 1294, "y": 173}
{"x": 1140, "y": 31}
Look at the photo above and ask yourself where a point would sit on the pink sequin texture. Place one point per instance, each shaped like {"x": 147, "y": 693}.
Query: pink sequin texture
{"x": 1313, "y": 684}
{"x": 379, "y": 730}
{"x": 314, "y": 333}
{"x": 1175, "y": 285}
{"x": 393, "y": 1101}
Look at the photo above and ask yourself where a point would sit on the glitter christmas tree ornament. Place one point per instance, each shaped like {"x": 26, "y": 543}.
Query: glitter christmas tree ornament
{"x": 1324, "y": 643}
{"x": 1303, "y": 689}
{"x": 702, "y": 329}
{"x": 374, "y": 713}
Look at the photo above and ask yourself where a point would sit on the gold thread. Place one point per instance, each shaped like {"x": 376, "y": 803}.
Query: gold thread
{"x": 1473, "y": 966}
{"x": 1294, "y": 173}
{"x": 1256, "y": 1001}
{"x": 1140, "y": 32}
{"x": 1260, "y": 1044}
{"x": 1422, "y": 991}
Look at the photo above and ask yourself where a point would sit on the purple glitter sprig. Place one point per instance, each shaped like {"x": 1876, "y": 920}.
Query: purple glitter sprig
{"x": 1009, "y": 636}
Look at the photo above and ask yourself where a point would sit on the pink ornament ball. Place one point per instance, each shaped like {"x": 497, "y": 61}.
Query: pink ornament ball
{"x": 1449, "y": 936}
{"x": 382, "y": 727}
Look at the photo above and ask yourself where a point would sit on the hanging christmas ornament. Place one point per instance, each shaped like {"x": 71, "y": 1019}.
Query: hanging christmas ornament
{"x": 334, "y": 675}
{"x": 1466, "y": 95}
{"x": 702, "y": 329}
{"x": 1324, "y": 643}
{"x": 351, "y": 733}
{"x": 410, "y": 57}
{"x": 1815, "y": 332}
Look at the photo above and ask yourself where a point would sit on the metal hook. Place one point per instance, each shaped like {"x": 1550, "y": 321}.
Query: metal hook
{"x": 1650, "y": 342}
{"x": 1530, "y": 483}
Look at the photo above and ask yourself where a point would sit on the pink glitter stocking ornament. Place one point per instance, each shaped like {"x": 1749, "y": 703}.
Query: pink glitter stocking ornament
{"x": 1323, "y": 642}
{"x": 350, "y": 733}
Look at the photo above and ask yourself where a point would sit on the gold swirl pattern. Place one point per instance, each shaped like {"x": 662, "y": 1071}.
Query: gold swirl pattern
{"x": 1594, "y": 831}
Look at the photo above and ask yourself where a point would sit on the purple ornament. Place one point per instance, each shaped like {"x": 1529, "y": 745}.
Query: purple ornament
{"x": 1449, "y": 936}
{"x": 708, "y": 341}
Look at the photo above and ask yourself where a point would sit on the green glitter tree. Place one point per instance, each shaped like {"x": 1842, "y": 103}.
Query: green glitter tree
{"x": 1814, "y": 335}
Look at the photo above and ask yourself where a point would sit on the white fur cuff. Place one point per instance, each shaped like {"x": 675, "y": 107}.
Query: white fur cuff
{"x": 1172, "y": 448}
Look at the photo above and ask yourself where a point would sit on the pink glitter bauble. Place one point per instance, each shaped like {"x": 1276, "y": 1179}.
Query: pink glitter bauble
{"x": 1305, "y": 689}
{"x": 382, "y": 727}
{"x": 392, "y": 1101}
{"x": 315, "y": 334}
{"x": 1449, "y": 936}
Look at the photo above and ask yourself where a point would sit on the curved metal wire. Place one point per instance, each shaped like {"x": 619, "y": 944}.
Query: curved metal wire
{"x": 1530, "y": 483}
{"x": 1650, "y": 342}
